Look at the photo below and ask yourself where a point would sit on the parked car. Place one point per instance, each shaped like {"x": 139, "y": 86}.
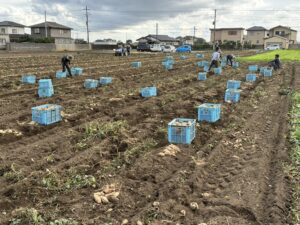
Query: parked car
{"x": 273, "y": 47}
{"x": 120, "y": 51}
{"x": 169, "y": 48}
{"x": 156, "y": 48}
{"x": 143, "y": 46}
{"x": 184, "y": 48}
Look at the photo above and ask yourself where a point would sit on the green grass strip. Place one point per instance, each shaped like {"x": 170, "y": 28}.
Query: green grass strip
{"x": 285, "y": 55}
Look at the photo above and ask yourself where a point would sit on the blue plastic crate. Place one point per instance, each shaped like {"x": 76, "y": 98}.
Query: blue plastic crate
{"x": 183, "y": 57}
{"x": 45, "y": 92}
{"x": 253, "y": 68}
{"x": 148, "y": 92}
{"x": 28, "y": 79}
{"x": 268, "y": 73}
{"x": 218, "y": 71}
{"x": 105, "y": 80}
{"x": 202, "y": 76}
{"x": 262, "y": 69}
{"x": 223, "y": 64}
{"x": 200, "y": 56}
{"x": 206, "y": 68}
{"x": 90, "y": 83}
{"x": 60, "y": 74}
{"x": 168, "y": 66}
{"x": 46, "y": 114}
{"x": 76, "y": 71}
{"x": 182, "y": 131}
{"x": 235, "y": 65}
{"x": 251, "y": 77}
{"x": 136, "y": 64}
{"x": 45, "y": 83}
{"x": 233, "y": 84}
{"x": 168, "y": 62}
{"x": 209, "y": 112}
{"x": 232, "y": 95}
{"x": 202, "y": 63}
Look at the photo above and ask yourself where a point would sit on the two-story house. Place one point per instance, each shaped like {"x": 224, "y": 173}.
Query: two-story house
{"x": 162, "y": 39}
{"x": 10, "y": 31}
{"x": 50, "y": 29}
{"x": 256, "y": 35}
{"x": 282, "y": 36}
{"x": 221, "y": 35}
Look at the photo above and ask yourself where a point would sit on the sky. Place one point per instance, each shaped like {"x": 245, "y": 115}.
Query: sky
{"x": 132, "y": 19}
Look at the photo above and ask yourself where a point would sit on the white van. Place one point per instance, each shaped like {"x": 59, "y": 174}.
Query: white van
{"x": 273, "y": 47}
{"x": 169, "y": 48}
{"x": 155, "y": 48}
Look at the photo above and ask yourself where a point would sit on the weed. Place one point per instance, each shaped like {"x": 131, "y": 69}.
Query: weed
{"x": 27, "y": 216}
{"x": 14, "y": 174}
{"x": 80, "y": 181}
{"x": 63, "y": 222}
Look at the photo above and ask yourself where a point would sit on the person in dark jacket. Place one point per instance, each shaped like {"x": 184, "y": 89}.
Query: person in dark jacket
{"x": 128, "y": 49}
{"x": 275, "y": 63}
{"x": 229, "y": 59}
{"x": 65, "y": 62}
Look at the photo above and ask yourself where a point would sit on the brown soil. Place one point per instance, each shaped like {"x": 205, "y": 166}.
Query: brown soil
{"x": 233, "y": 170}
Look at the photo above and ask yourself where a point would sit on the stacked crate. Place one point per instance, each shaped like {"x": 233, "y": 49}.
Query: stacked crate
{"x": 45, "y": 88}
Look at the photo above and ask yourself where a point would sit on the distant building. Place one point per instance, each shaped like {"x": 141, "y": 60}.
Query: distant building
{"x": 221, "y": 35}
{"x": 256, "y": 35}
{"x": 105, "y": 44}
{"x": 54, "y": 30}
{"x": 10, "y": 32}
{"x": 190, "y": 40}
{"x": 161, "y": 39}
{"x": 285, "y": 32}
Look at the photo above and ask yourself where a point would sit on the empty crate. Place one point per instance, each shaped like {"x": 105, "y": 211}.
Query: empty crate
{"x": 202, "y": 76}
{"x": 232, "y": 95}
{"x": 233, "y": 84}
{"x": 267, "y": 72}
{"x": 253, "y": 68}
{"x": 209, "y": 112}
{"x": 262, "y": 69}
{"x": 90, "y": 83}
{"x": 206, "y": 68}
{"x": 200, "y": 56}
{"x": 235, "y": 65}
{"x": 46, "y": 114}
{"x": 223, "y": 64}
{"x": 136, "y": 64}
{"x": 76, "y": 71}
{"x": 60, "y": 74}
{"x": 28, "y": 79}
{"x": 45, "y": 88}
{"x": 171, "y": 61}
{"x": 105, "y": 80}
{"x": 202, "y": 63}
{"x": 181, "y": 131}
{"x": 251, "y": 77}
{"x": 218, "y": 71}
{"x": 168, "y": 66}
{"x": 148, "y": 92}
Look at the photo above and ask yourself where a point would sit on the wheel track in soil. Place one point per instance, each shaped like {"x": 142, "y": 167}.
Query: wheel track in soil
{"x": 217, "y": 178}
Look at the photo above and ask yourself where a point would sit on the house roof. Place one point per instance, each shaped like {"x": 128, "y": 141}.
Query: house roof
{"x": 10, "y": 24}
{"x": 256, "y": 28}
{"x": 51, "y": 25}
{"x": 158, "y": 37}
{"x": 283, "y": 27}
{"x": 234, "y": 28}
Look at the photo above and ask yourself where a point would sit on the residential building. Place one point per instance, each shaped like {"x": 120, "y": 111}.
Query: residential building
{"x": 277, "y": 40}
{"x": 256, "y": 35}
{"x": 221, "y": 35}
{"x": 9, "y": 27}
{"x": 50, "y": 29}
{"x": 162, "y": 39}
{"x": 285, "y": 32}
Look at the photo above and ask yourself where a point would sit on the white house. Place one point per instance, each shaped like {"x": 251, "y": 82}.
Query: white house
{"x": 8, "y": 27}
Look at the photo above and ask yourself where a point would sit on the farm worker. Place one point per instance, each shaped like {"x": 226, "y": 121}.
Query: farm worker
{"x": 275, "y": 63}
{"x": 230, "y": 58}
{"x": 215, "y": 58}
{"x": 123, "y": 51}
{"x": 65, "y": 62}
{"x": 128, "y": 49}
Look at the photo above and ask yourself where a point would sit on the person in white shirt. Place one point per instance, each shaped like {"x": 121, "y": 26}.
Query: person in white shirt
{"x": 215, "y": 59}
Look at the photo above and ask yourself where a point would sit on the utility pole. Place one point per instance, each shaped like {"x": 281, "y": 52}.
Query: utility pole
{"x": 215, "y": 21}
{"x": 87, "y": 23}
{"x": 156, "y": 30}
{"x": 46, "y": 32}
{"x": 194, "y": 35}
